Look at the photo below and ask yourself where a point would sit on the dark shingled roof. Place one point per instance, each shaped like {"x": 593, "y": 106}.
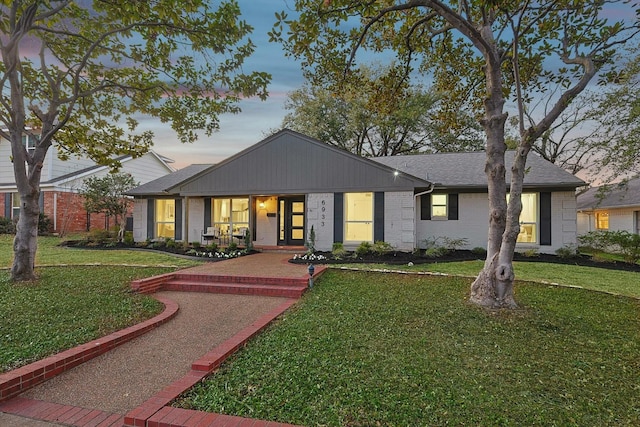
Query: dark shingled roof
{"x": 612, "y": 196}
{"x": 159, "y": 187}
{"x": 466, "y": 170}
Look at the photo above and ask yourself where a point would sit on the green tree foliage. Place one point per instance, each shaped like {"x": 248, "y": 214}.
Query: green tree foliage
{"x": 81, "y": 74}
{"x": 108, "y": 195}
{"x": 616, "y": 114}
{"x": 378, "y": 113}
{"x": 495, "y": 56}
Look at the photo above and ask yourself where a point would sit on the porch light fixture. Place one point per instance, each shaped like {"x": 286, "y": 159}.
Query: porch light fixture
{"x": 261, "y": 205}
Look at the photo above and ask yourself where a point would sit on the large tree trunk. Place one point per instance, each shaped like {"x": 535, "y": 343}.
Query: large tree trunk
{"x": 26, "y": 240}
{"x": 494, "y": 285}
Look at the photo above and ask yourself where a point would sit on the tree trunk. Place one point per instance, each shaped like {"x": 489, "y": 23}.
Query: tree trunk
{"x": 26, "y": 240}
{"x": 493, "y": 287}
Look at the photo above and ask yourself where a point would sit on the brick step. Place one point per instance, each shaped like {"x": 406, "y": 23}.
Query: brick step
{"x": 271, "y": 290}
{"x": 218, "y": 278}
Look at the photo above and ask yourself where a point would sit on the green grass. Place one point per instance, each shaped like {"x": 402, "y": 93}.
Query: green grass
{"x": 67, "y": 307}
{"x": 85, "y": 299}
{"x": 50, "y": 253}
{"x": 401, "y": 350}
{"x": 600, "y": 279}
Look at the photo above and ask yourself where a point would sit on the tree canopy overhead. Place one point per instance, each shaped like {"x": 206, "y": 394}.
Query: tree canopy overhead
{"x": 500, "y": 57}
{"x": 378, "y": 112}
{"x": 82, "y": 73}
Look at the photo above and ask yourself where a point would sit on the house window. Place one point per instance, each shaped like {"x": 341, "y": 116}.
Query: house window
{"x": 231, "y": 216}
{"x": 30, "y": 141}
{"x": 602, "y": 220}
{"x": 438, "y": 206}
{"x": 15, "y": 205}
{"x": 165, "y": 218}
{"x": 358, "y": 214}
{"x": 528, "y": 218}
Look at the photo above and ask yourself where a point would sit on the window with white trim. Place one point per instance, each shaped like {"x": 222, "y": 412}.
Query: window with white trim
{"x": 439, "y": 206}
{"x": 528, "y": 218}
{"x": 358, "y": 217}
{"x": 15, "y": 205}
{"x": 165, "y": 218}
{"x": 30, "y": 142}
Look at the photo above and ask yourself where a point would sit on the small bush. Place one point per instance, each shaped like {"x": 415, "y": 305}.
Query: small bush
{"x": 338, "y": 250}
{"x": 98, "y": 235}
{"x": 616, "y": 242}
{"x": 381, "y": 248}
{"x": 435, "y": 252}
{"x": 7, "y": 226}
{"x": 44, "y": 225}
{"x": 171, "y": 244}
{"x": 567, "y": 252}
{"x": 195, "y": 245}
{"x": 233, "y": 246}
{"x": 364, "y": 248}
{"x": 211, "y": 247}
{"x": 479, "y": 250}
{"x": 311, "y": 241}
{"x": 454, "y": 244}
{"x": 530, "y": 253}
{"x": 128, "y": 238}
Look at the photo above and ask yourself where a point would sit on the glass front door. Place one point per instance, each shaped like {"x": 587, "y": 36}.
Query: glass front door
{"x": 291, "y": 221}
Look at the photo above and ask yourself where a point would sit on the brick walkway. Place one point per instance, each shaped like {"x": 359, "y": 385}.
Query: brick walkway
{"x": 88, "y": 396}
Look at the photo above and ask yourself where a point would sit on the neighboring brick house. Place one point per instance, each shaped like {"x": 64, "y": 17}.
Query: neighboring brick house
{"x": 61, "y": 181}
{"x": 281, "y": 187}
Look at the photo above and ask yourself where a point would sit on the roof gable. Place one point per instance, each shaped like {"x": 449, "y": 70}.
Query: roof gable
{"x": 291, "y": 163}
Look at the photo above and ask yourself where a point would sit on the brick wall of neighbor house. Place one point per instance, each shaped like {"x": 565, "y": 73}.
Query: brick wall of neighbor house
{"x": 67, "y": 213}
{"x": 399, "y": 220}
{"x": 320, "y": 216}
{"x": 2, "y": 202}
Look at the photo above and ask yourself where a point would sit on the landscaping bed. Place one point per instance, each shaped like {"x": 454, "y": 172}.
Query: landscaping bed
{"x": 403, "y": 258}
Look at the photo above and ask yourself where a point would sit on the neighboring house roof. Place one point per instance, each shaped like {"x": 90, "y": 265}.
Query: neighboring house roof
{"x": 466, "y": 170}
{"x": 84, "y": 172}
{"x": 623, "y": 195}
{"x": 162, "y": 185}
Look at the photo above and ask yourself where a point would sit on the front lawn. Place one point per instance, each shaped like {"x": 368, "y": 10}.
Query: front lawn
{"x": 86, "y": 297}
{"x": 600, "y": 279}
{"x": 68, "y": 306}
{"x": 403, "y": 350}
{"x": 51, "y": 253}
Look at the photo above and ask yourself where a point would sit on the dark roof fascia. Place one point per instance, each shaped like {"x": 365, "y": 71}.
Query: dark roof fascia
{"x": 267, "y": 140}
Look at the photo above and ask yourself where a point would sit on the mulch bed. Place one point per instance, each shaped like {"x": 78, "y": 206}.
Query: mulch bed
{"x": 399, "y": 258}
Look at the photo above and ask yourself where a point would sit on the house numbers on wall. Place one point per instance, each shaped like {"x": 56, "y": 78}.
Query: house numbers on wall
{"x": 323, "y": 210}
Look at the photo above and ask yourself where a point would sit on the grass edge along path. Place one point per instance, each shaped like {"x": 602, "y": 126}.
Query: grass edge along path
{"x": 67, "y": 307}
{"x": 386, "y": 349}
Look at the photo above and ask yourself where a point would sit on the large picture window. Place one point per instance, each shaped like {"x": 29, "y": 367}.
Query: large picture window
{"x": 528, "y": 218}
{"x": 358, "y": 214}
{"x": 165, "y": 218}
{"x": 231, "y": 216}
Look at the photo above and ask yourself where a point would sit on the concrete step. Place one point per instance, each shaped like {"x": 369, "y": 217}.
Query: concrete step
{"x": 271, "y": 290}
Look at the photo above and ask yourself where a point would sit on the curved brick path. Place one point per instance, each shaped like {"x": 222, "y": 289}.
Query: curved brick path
{"x": 140, "y": 377}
